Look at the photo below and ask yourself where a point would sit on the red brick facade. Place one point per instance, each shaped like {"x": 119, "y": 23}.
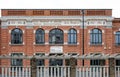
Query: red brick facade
{"x": 29, "y": 47}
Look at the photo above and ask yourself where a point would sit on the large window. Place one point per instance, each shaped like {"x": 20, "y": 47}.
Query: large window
{"x": 72, "y": 36}
{"x": 16, "y": 36}
{"x": 117, "y": 38}
{"x": 55, "y": 62}
{"x": 39, "y": 36}
{"x": 117, "y": 62}
{"x": 56, "y": 36}
{"x": 40, "y": 62}
{"x": 16, "y": 62}
{"x": 96, "y": 62}
{"x": 96, "y": 36}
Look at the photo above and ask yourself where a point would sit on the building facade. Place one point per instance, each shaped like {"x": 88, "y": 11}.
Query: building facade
{"x": 58, "y": 32}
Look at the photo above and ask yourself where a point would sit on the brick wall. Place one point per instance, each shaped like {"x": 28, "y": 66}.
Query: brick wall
{"x": 53, "y": 12}
{"x": 29, "y": 48}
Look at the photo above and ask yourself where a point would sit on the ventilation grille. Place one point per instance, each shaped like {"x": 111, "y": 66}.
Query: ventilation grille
{"x": 98, "y": 12}
{"x": 16, "y": 12}
{"x": 37, "y": 12}
{"x": 56, "y": 12}
{"x": 73, "y": 12}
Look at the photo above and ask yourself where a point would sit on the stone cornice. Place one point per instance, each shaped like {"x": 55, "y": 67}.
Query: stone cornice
{"x": 56, "y": 20}
{"x": 30, "y": 18}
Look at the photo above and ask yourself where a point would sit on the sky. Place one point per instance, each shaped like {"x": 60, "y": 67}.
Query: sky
{"x": 62, "y": 4}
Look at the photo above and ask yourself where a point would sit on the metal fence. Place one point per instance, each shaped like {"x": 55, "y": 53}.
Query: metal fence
{"x": 57, "y": 71}
{"x": 60, "y": 71}
{"x": 92, "y": 71}
{"x": 42, "y": 71}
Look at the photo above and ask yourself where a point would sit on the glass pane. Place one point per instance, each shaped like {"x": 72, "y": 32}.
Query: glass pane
{"x": 16, "y": 62}
{"x": 16, "y": 36}
{"x": 56, "y": 36}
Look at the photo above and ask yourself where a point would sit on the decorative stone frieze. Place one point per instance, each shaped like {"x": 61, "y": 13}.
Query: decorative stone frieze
{"x": 56, "y": 20}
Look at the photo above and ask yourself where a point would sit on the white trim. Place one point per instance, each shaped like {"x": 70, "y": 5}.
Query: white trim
{"x": 34, "y": 54}
{"x": 40, "y": 26}
{"x": 51, "y": 20}
{"x": 56, "y": 26}
{"x": 102, "y": 43}
{"x": 88, "y": 43}
{"x": 46, "y": 31}
{"x": 23, "y": 43}
{"x": 30, "y": 18}
{"x": 16, "y": 22}
{"x": 23, "y": 31}
{"x": 65, "y": 31}
{"x": 103, "y": 31}
{"x": 89, "y": 31}
{"x": 9, "y": 31}
{"x": 9, "y": 43}
{"x": 33, "y": 43}
{"x": 16, "y": 44}
{"x": 114, "y": 32}
{"x": 34, "y": 31}
{"x": 77, "y": 31}
{"x": 46, "y": 54}
{"x": 46, "y": 43}
{"x": 65, "y": 43}
{"x": 109, "y": 47}
{"x": 105, "y": 47}
{"x": 96, "y": 22}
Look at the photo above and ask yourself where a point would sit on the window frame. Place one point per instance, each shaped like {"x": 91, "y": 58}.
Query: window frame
{"x": 41, "y": 36}
{"x": 72, "y": 33}
{"x": 16, "y": 37}
{"x": 117, "y": 36}
{"x": 14, "y": 60}
{"x": 41, "y": 60}
{"x": 96, "y": 37}
{"x": 56, "y": 36}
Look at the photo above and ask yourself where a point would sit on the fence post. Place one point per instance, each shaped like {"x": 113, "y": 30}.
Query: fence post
{"x": 102, "y": 63}
{"x": 33, "y": 67}
{"x": 72, "y": 67}
{"x": 111, "y": 67}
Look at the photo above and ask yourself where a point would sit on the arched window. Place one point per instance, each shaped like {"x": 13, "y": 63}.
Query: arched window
{"x": 56, "y": 36}
{"x": 72, "y": 36}
{"x": 40, "y": 36}
{"x": 16, "y": 36}
{"x": 117, "y": 38}
{"x": 96, "y": 36}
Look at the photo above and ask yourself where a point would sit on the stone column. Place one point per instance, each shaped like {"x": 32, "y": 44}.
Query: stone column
{"x": 111, "y": 67}
{"x": 33, "y": 67}
{"x": 72, "y": 67}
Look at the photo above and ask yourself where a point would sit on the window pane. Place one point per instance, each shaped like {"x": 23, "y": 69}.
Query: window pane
{"x": 16, "y": 36}
{"x": 56, "y": 36}
{"x": 117, "y": 38}
{"x": 40, "y": 62}
{"x": 96, "y": 36}
{"x": 40, "y": 36}
{"x": 72, "y": 36}
{"x": 16, "y": 62}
